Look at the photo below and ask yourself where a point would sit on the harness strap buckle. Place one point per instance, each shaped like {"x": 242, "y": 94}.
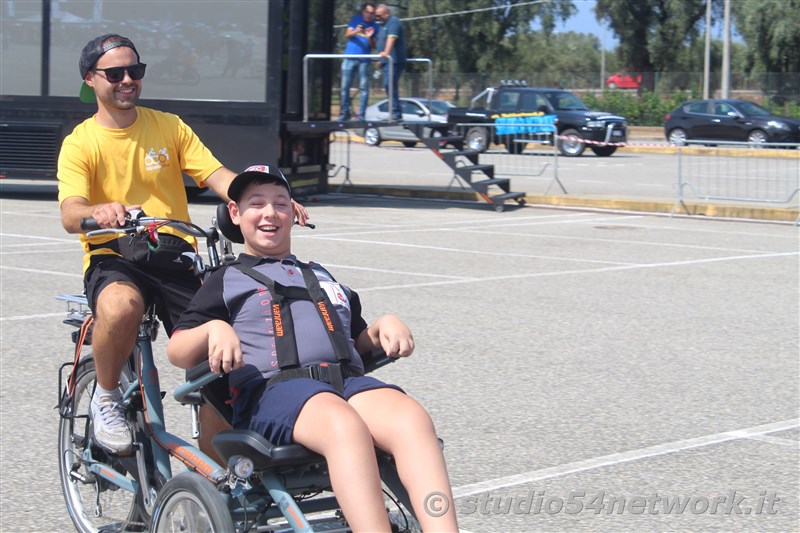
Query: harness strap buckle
{"x": 330, "y": 373}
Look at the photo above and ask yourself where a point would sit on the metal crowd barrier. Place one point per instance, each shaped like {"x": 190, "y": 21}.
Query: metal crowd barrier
{"x": 516, "y": 149}
{"x": 339, "y": 156}
{"x": 764, "y": 173}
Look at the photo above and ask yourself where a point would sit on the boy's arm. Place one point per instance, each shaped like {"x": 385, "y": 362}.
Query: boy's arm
{"x": 388, "y": 333}
{"x": 214, "y": 340}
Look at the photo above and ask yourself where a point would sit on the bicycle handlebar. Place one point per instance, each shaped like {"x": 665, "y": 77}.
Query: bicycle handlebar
{"x": 137, "y": 219}
{"x": 89, "y": 224}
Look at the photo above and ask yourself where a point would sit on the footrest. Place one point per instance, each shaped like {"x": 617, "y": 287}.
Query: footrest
{"x": 263, "y": 453}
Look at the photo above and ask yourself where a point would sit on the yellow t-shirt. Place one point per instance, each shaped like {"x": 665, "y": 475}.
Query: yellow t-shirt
{"x": 138, "y": 165}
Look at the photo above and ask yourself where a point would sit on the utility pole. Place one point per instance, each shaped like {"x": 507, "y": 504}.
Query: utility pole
{"x": 603, "y": 60}
{"x": 707, "y": 56}
{"x": 726, "y": 52}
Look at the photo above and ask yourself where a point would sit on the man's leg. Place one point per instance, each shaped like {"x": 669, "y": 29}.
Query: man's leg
{"x": 363, "y": 86}
{"x": 117, "y": 312}
{"x": 397, "y": 110}
{"x": 347, "y": 81}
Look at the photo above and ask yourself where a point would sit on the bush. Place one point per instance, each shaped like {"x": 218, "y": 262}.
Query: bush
{"x": 649, "y": 109}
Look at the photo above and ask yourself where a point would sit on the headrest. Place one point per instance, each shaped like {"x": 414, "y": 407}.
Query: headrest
{"x": 229, "y": 230}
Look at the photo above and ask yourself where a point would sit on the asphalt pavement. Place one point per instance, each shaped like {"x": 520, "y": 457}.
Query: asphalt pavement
{"x": 639, "y": 177}
{"x": 587, "y": 370}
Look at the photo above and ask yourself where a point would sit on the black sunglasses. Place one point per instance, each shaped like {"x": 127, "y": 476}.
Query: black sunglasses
{"x": 116, "y": 74}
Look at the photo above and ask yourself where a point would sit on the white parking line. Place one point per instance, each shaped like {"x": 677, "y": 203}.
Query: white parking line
{"x": 777, "y": 440}
{"x": 28, "y": 317}
{"x": 623, "y": 457}
{"x": 586, "y": 271}
{"x": 472, "y": 252}
{"x": 44, "y": 272}
{"x": 37, "y": 237}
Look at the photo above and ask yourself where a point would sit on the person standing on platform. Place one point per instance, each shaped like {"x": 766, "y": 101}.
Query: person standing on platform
{"x": 360, "y": 35}
{"x": 391, "y": 42}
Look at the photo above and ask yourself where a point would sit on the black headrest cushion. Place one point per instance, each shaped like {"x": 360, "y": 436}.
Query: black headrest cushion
{"x": 231, "y": 231}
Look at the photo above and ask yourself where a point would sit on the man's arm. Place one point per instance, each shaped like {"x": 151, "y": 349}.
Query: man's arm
{"x": 389, "y": 45}
{"x": 110, "y": 215}
{"x": 219, "y": 181}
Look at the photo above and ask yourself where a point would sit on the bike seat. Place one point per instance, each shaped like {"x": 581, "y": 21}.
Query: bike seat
{"x": 263, "y": 453}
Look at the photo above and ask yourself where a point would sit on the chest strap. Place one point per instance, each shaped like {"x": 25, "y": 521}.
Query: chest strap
{"x": 283, "y": 324}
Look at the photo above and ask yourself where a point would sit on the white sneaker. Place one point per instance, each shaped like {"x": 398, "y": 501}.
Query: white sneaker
{"x": 111, "y": 429}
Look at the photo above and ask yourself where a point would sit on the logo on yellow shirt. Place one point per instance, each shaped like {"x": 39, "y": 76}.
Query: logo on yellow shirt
{"x": 156, "y": 160}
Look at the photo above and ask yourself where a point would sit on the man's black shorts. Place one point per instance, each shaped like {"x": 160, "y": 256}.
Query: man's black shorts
{"x": 170, "y": 290}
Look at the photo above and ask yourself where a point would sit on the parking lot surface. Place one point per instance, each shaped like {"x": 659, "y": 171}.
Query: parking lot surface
{"x": 588, "y": 371}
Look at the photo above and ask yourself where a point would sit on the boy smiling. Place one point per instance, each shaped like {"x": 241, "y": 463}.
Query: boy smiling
{"x": 291, "y": 336}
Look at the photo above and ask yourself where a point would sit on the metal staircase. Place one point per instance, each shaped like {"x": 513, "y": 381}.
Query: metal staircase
{"x": 465, "y": 164}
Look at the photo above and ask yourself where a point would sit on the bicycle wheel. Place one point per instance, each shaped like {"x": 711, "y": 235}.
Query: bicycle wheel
{"x": 93, "y": 503}
{"x": 190, "y": 503}
{"x": 403, "y": 521}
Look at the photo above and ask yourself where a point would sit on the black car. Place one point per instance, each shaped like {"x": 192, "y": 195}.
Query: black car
{"x": 728, "y": 120}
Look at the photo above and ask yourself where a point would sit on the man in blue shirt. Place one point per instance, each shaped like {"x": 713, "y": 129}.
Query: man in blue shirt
{"x": 391, "y": 42}
{"x": 360, "y": 35}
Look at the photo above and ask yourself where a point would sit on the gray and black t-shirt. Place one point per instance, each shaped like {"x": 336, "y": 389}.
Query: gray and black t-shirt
{"x": 243, "y": 302}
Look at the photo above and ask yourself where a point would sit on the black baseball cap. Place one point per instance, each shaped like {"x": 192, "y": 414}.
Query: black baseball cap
{"x": 256, "y": 174}
{"x": 93, "y": 50}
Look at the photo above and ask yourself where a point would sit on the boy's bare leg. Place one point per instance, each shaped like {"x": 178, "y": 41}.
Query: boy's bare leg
{"x": 402, "y": 427}
{"x": 330, "y": 427}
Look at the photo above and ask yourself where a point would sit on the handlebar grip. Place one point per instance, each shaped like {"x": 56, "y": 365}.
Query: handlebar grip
{"x": 89, "y": 224}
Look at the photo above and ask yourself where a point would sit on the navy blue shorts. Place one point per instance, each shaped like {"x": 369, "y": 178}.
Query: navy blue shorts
{"x": 274, "y": 414}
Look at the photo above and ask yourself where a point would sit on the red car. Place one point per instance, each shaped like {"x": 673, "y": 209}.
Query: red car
{"x": 624, "y": 80}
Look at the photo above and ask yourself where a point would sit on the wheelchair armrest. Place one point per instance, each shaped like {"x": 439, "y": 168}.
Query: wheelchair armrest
{"x": 197, "y": 378}
{"x": 376, "y": 359}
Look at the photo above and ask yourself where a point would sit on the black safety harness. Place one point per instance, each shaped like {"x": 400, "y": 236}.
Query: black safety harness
{"x": 283, "y": 327}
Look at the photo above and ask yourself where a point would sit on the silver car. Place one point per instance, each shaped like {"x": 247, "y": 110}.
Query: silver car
{"x": 414, "y": 110}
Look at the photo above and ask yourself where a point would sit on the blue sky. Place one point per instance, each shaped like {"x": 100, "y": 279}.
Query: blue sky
{"x": 584, "y": 22}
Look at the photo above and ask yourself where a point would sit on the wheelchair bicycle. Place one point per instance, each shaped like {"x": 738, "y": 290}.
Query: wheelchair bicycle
{"x": 261, "y": 487}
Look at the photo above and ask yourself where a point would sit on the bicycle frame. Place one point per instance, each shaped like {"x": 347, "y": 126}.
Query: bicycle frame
{"x": 251, "y": 501}
{"x": 146, "y": 383}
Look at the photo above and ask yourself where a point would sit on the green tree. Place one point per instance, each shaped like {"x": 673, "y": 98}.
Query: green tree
{"x": 567, "y": 59}
{"x": 771, "y": 29}
{"x": 652, "y": 33}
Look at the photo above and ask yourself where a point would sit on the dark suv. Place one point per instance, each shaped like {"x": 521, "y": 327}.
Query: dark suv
{"x": 544, "y": 108}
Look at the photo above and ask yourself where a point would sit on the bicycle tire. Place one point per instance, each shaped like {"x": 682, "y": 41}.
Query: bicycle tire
{"x": 120, "y": 510}
{"x": 189, "y": 502}
{"x": 403, "y": 521}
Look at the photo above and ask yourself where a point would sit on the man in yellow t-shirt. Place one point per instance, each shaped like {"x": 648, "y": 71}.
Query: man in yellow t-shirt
{"x": 127, "y": 157}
